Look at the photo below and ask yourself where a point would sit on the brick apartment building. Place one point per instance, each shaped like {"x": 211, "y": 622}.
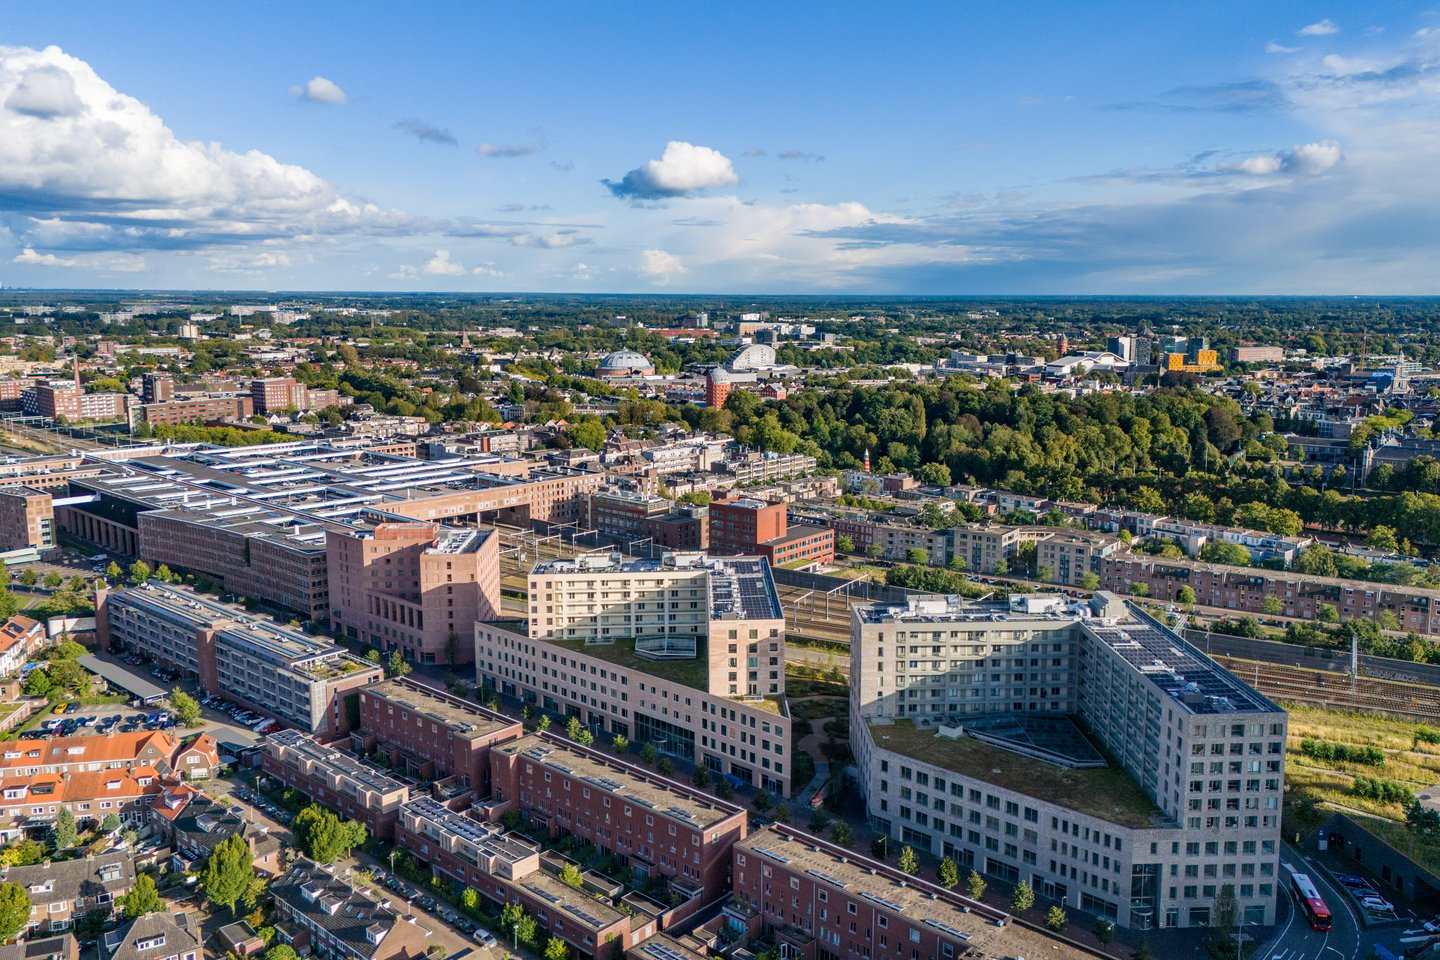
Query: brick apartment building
{"x": 430, "y": 734}
{"x": 652, "y": 825}
{"x": 803, "y": 891}
{"x": 1246, "y": 589}
{"x": 506, "y": 868}
{"x": 27, "y": 518}
{"x": 348, "y": 785}
{"x": 274, "y": 394}
{"x": 414, "y": 587}
{"x": 196, "y": 409}
{"x": 744, "y": 525}
{"x": 62, "y": 399}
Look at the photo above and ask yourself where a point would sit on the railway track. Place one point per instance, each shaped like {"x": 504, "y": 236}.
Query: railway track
{"x": 1336, "y": 690}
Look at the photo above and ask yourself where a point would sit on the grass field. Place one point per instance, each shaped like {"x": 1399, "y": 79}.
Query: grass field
{"x": 1316, "y": 788}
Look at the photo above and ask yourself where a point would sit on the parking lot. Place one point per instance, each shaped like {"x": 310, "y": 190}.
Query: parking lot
{"x": 218, "y": 723}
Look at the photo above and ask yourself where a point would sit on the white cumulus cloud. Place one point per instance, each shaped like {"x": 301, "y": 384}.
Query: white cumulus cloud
{"x": 441, "y": 265}
{"x": 85, "y": 167}
{"x": 44, "y": 92}
{"x": 659, "y": 267}
{"x": 682, "y": 170}
{"x": 29, "y": 257}
{"x": 320, "y": 90}
{"x": 1321, "y": 29}
{"x": 1273, "y": 47}
{"x": 1307, "y": 158}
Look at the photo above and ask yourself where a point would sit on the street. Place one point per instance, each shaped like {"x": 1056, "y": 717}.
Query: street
{"x": 1296, "y": 941}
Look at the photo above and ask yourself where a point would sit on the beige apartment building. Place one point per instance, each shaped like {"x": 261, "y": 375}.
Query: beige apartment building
{"x": 686, "y": 653}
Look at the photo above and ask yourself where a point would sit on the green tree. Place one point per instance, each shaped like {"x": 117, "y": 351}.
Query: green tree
{"x": 110, "y": 824}
{"x": 281, "y": 951}
{"x": 917, "y": 556}
{"x": 68, "y": 650}
{"x": 398, "y": 666}
{"x": 113, "y": 572}
{"x": 763, "y": 801}
{"x": 53, "y": 580}
{"x": 556, "y": 949}
{"x": 844, "y": 544}
{"x": 164, "y": 574}
{"x": 1104, "y": 932}
{"x": 543, "y": 724}
{"x": 621, "y": 744}
{"x": 227, "y": 872}
{"x": 185, "y": 707}
{"x": 1045, "y": 573}
{"x": 1382, "y": 537}
{"x": 1186, "y": 595}
{"x": 15, "y": 908}
{"x": 29, "y": 577}
{"x": 948, "y": 874}
{"x": 589, "y": 432}
{"x": 470, "y": 899}
{"x": 1272, "y": 605}
{"x": 908, "y": 861}
{"x": 139, "y": 571}
{"x": 64, "y": 829}
{"x": 571, "y": 875}
{"x": 372, "y": 655}
{"x": 143, "y": 898}
{"x": 842, "y": 833}
{"x": 648, "y": 753}
{"x": 1023, "y": 898}
{"x": 1327, "y": 613}
{"x": 1089, "y": 581}
{"x": 573, "y": 728}
{"x": 1056, "y": 919}
{"x": 1002, "y": 567}
{"x": 37, "y": 683}
{"x": 1139, "y": 589}
{"x": 975, "y": 886}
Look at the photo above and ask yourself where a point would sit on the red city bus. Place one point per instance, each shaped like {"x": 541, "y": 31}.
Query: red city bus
{"x": 1316, "y": 913}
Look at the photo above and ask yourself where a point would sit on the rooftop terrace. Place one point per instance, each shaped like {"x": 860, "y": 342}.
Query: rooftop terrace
{"x": 1109, "y": 794}
{"x": 741, "y": 588}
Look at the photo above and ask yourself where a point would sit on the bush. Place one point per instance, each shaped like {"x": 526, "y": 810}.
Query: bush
{"x": 1385, "y": 791}
{"x": 1342, "y": 752}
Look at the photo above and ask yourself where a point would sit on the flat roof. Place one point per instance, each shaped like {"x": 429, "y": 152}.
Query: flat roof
{"x": 575, "y": 904}
{"x": 118, "y": 676}
{"x": 366, "y": 774}
{"x": 1108, "y": 794}
{"x": 488, "y": 838}
{"x": 461, "y": 717}
{"x": 1191, "y": 679}
{"x": 967, "y": 923}
{"x": 741, "y": 588}
{"x": 261, "y": 636}
{"x": 692, "y": 809}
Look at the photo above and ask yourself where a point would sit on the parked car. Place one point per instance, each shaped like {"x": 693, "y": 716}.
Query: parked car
{"x": 485, "y": 938}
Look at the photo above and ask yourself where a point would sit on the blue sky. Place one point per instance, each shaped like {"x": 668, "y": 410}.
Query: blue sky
{"x": 927, "y": 148}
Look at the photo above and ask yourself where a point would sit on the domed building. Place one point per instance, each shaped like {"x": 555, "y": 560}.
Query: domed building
{"x": 625, "y": 363}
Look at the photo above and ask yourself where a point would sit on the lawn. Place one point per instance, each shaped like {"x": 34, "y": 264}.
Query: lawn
{"x": 1315, "y": 788}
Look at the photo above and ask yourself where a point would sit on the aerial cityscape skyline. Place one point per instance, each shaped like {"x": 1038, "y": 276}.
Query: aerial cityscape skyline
{"x": 933, "y": 149}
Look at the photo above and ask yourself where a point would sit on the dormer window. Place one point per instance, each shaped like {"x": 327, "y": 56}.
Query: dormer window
{"x": 150, "y": 943}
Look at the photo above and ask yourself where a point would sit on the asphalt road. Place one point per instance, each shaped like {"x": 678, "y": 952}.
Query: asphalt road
{"x": 1296, "y": 941}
